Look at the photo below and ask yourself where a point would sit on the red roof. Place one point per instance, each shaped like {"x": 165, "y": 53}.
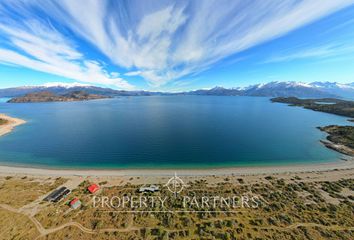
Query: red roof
{"x": 93, "y": 188}
{"x": 74, "y": 201}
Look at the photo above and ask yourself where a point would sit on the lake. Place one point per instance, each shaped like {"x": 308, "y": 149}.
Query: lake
{"x": 165, "y": 132}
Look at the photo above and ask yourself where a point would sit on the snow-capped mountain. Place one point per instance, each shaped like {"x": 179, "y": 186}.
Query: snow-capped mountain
{"x": 331, "y": 85}
{"x": 62, "y": 89}
{"x": 339, "y": 89}
{"x": 286, "y": 89}
{"x": 271, "y": 89}
{"x": 217, "y": 91}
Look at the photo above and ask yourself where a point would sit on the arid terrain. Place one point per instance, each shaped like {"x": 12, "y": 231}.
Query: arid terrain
{"x": 303, "y": 205}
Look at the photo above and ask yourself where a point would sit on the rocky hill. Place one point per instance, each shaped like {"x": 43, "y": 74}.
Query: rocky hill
{"x": 51, "y": 97}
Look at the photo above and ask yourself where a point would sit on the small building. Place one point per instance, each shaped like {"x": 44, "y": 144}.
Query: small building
{"x": 151, "y": 188}
{"x": 57, "y": 194}
{"x": 75, "y": 203}
{"x": 93, "y": 188}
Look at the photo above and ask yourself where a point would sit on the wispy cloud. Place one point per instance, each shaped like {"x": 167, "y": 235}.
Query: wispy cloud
{"x": 161, "y": 41}
{"x": 320, "y": 52}
{"x": 42, "y": 48}
{"x": 62, "y": 84}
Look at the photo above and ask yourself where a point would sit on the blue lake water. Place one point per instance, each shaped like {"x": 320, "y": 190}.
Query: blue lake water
{"x": 165, "y": 132}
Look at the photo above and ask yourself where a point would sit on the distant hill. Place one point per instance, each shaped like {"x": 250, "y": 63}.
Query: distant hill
{"x": 272, "y": 89}
{"x": 51, "y": 97}
{"x": 61, "y": 90}
{"x": 217, "y": 91}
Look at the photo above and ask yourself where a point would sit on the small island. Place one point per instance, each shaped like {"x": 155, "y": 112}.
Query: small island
{"x": 51, "y": 97}
{"x": 340, "y": 138}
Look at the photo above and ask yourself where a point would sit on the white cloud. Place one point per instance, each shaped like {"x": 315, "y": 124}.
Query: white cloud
{"x": 133, "y": 73}
{"x": 164, "y": 41}
{"x": 66, "y": 85}
{"x": 44, "y": 49}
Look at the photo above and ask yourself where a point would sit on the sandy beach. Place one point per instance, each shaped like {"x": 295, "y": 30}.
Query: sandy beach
{"x": 12, "y": 123}
{"x": 213, "y": 177}
{"x": 236, "y": 171}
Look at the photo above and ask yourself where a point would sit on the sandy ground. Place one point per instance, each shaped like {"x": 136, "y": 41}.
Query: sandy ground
{"x": 13, "y": 122}
{"x": 339, "y": 165}
{"x": 319, "y": 172}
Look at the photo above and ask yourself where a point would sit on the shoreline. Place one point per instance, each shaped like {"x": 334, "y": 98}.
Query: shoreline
{"x": 212, "y": 171}
{"x": 12, "y": 123}
{"x": 347, "y": 151}
{"x": 234, "y": 171}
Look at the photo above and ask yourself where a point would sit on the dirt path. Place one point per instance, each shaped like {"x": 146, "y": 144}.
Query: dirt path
{"x": 45, "y": 231}
{"x": 32, "y": 208}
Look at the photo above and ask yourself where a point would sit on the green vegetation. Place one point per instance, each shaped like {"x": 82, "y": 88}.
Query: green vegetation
{"x": 51, "y": 97}
{"x": 341, "y": 138}
{"x": 3, "y": 121}
{"x": 290, "y": 210}
{"x": 340, "y": 134}
{"x": 328, "y": 105}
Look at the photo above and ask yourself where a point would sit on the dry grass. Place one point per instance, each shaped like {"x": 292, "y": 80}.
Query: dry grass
{"x": 296, "y": 209}
{"x": 16, "y": 226}
{"x": 3, "y": 121}
{"x": 75, "y": 233}
{"x": 287, "y": 206}
{"x": 17, "y": 192}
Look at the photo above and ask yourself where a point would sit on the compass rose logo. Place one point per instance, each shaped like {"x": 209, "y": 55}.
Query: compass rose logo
{"x": 175, "y": 184}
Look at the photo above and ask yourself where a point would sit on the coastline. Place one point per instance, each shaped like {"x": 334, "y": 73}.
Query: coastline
{"x": 12, "y": 123}
{"x": 213, "y": 171}
{"x": 231, "y": 171}
{"x": 338, "y": 147}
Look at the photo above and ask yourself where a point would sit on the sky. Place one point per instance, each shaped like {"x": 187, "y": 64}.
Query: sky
{"x": 164, "y": 45}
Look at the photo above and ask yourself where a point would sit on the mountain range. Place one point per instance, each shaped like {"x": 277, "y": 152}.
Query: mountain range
{"x": 62, "y": 90}
{"x": 286, "y": 89}
{"x": 271, "y": 89}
